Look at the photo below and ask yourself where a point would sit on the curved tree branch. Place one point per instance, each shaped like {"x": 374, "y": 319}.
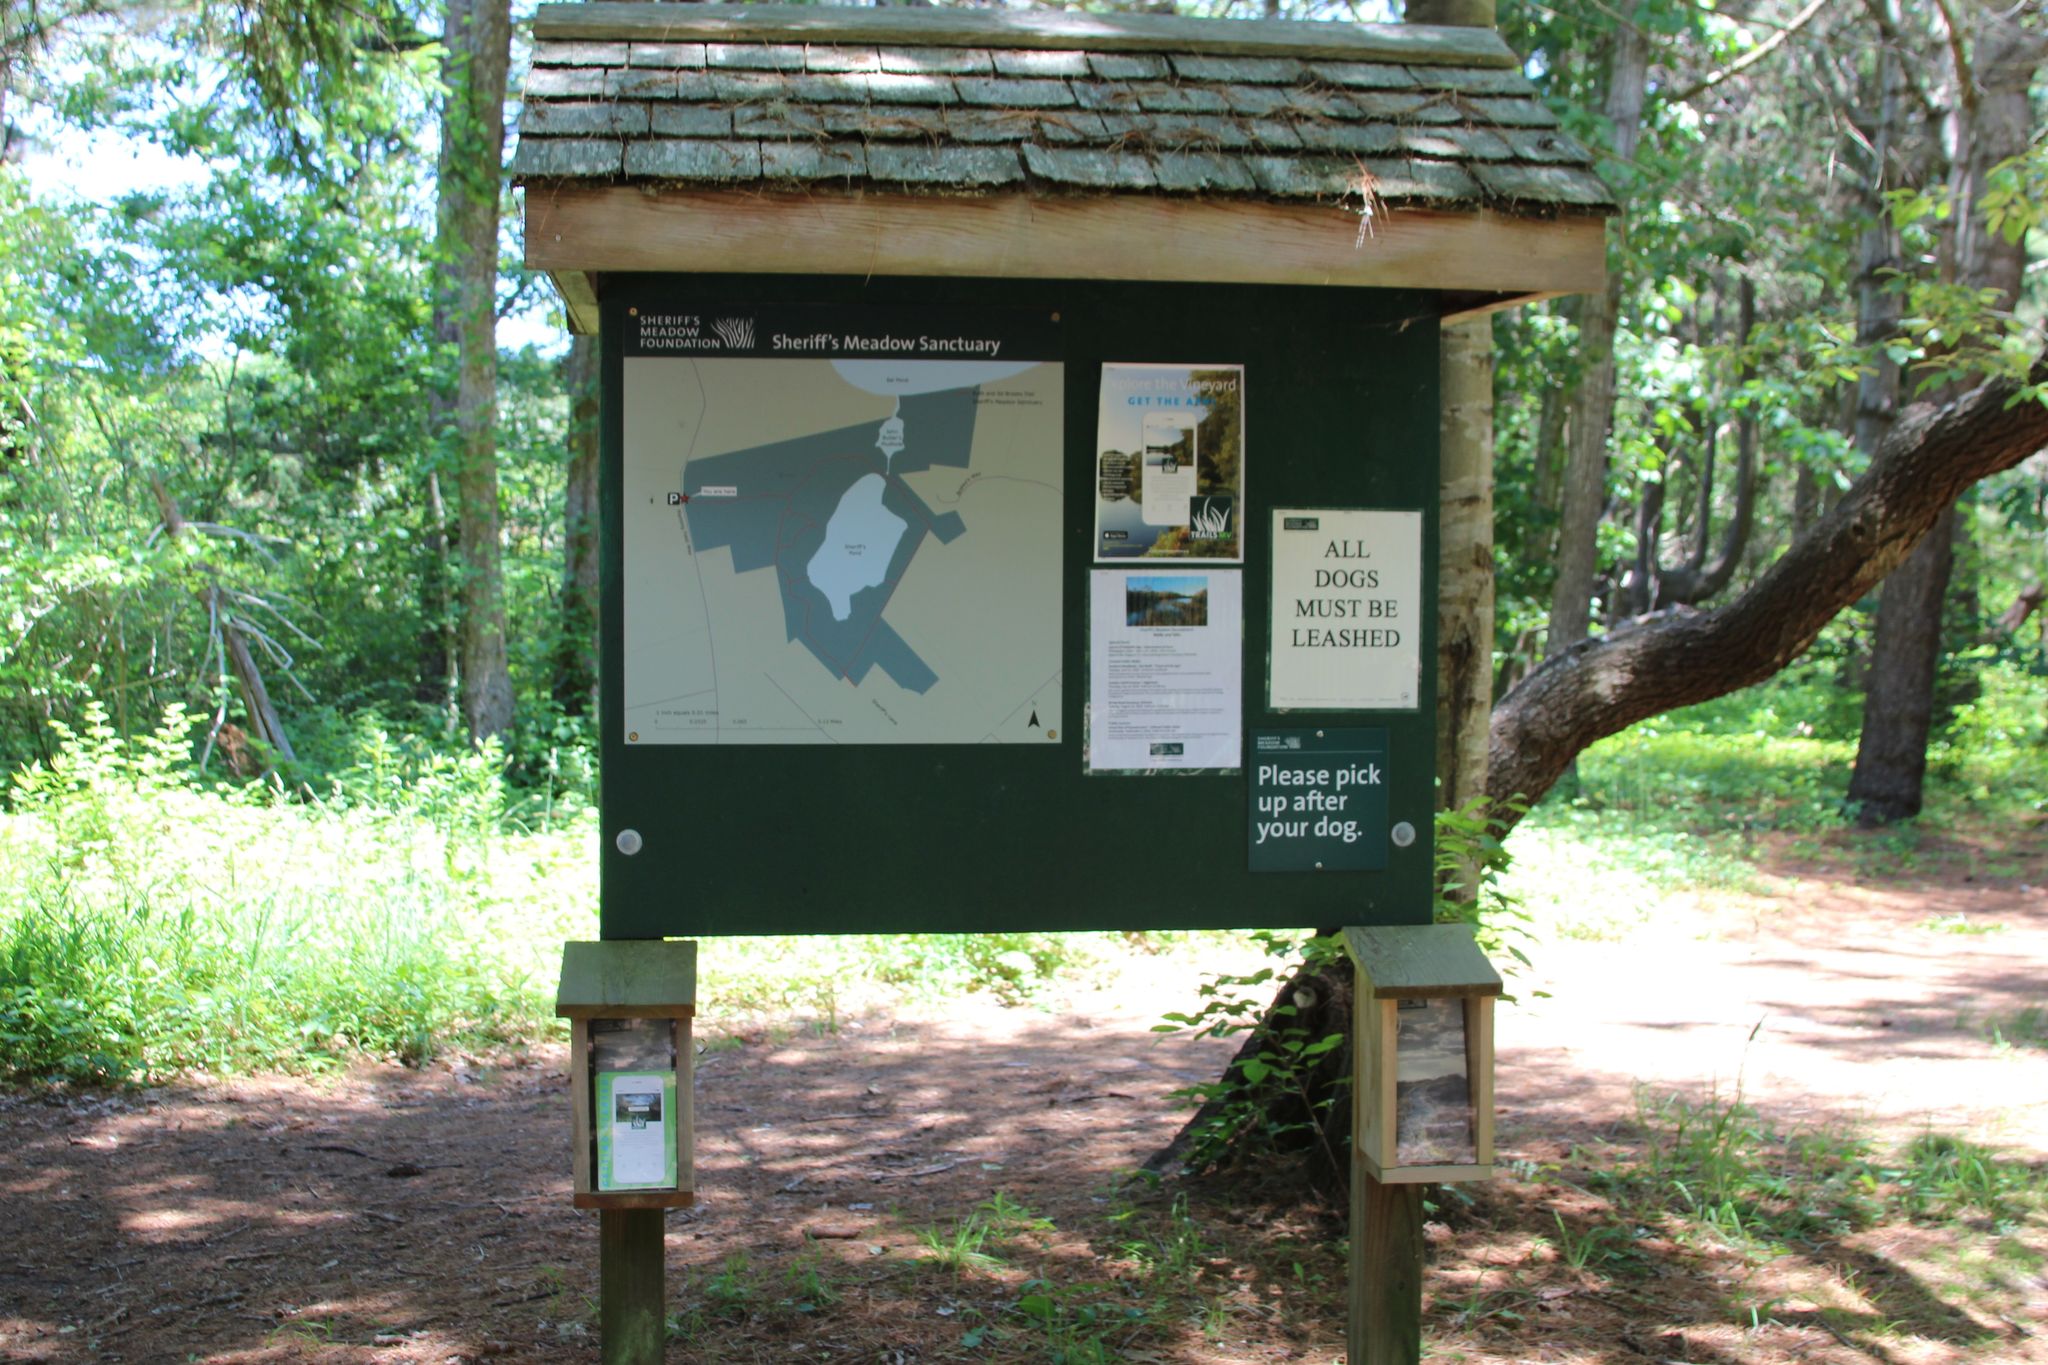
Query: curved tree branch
{"x": 1697, "y": 579}
{"x": 1749, "y": 58}
{"x": 2029, "y": 600}
{"x": 1676, "y": 658}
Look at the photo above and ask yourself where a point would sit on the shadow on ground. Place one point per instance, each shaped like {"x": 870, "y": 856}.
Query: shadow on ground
{"x": 396, "y": 1215}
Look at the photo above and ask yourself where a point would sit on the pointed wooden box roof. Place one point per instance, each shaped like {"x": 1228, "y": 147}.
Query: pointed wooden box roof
{"x": 897, "y": 141}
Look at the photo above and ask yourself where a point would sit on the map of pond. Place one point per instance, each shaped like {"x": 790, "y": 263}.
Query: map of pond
{"x": 841, "y": 551}
{"x": 859, "y": 542}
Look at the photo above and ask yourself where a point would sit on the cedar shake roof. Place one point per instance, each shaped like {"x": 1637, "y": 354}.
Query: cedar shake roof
{"x": 977, "y": 102}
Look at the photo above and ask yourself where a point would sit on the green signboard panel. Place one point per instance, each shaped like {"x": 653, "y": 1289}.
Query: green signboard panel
{"x": 864, "y": 667}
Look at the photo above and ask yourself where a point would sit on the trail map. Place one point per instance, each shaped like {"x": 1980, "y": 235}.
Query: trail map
{"x": 839, "y": 531}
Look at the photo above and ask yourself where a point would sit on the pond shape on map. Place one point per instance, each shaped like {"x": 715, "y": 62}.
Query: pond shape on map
{"x": 860, "y": 540}
{"x": 832, "y": 514}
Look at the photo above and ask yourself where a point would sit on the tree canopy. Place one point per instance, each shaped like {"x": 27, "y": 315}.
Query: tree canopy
{"x": 251, "y": 338}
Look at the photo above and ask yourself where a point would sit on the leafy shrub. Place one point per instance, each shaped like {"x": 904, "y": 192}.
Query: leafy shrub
{"x": 1999, "y": 739}
{"x": 151, "y": 924}
{"x": 1283, "y": 1091}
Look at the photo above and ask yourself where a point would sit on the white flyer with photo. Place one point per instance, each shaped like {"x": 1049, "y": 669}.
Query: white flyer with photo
{"x": 1165, "y": 669}
{"x": 639, "y": 1146}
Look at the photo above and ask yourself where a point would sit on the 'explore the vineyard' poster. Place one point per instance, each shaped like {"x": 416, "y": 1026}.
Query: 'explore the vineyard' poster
{"x": 1169, "y": 463}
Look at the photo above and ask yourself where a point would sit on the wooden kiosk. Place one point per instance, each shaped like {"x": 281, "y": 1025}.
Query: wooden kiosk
{"x": 1020, "y": 466}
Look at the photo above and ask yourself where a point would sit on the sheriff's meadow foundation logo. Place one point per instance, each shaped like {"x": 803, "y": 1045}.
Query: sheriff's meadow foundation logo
{"x": 737, "y": 333}
{"x": 693, "y": 333}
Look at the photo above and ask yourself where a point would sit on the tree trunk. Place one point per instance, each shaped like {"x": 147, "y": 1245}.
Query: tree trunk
{"x": 263, "y": 717}
{"x": 1641, "y": 583}
{"x": 478, "y": 39}
{"x": 1890, "y": 762}
{"x": 1681, "y": 657}
{"x": 1805, "y": 499}
{"x": 249, "y": 678}
{"x": 436, "y": 683}
{"x": 1992, "y": 123}
{"x": 1877, "y": 298}
{"x": 1700, "y": 578}
{"x": 1592, "y": 407}
{"x": 576, "y": 651}
{"x": 1898, "y": 701}
{"x": 1464, "y": 658}
{"x": 1550, "y": 433}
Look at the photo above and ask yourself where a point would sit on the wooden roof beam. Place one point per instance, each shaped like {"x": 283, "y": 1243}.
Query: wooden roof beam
{"x": 1413, "y": 44}
{"x": 575, "y": 229}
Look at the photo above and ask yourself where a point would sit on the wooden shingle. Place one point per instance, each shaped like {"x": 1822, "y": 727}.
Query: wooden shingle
{"x": 1059, "y": 104}
{"x": 766, "y": 138}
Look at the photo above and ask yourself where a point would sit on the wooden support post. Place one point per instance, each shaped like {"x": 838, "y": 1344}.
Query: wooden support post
{"x": 1385, "y": 1325}
{"x": 632, "y": 1304}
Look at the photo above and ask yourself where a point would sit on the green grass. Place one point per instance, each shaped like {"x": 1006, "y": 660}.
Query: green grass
{"x": 1881, "y": 1244}
{"x": 2027, "y": 1027}
{"x": 1009, "y": 1291}
{"x": 1684, "y": 802}
{"x": 959, "y": 1249}
{"x": 1171, "y": 1256}
{"x": 1655, "y": 812}
{"x": 151, "y": 924}
{"x": 1960, "y": 923}
{"x": 1714, "y": 1169}
{"x": 155, "y": 922}
{"x": 1081, "y": 1324}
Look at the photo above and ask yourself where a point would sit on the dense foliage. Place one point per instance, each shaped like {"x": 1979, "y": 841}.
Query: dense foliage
{"x": 252, "y": 345}
{"x": 1767, "y": 183}
{"x": 219, "y": 430}
{"x": 249, "y": 344}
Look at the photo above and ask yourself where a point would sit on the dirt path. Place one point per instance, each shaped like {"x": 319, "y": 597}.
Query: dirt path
{"x": 392, "y": 1215}
{"x": 1872, "y": 1006}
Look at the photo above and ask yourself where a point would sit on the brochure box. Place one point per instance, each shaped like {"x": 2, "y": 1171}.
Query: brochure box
{"x": 1424, "y": 1054}
{"x": 629, "y": 1003}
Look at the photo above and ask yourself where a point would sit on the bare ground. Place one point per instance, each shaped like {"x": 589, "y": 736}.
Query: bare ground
{"x": 396, "y": 1215}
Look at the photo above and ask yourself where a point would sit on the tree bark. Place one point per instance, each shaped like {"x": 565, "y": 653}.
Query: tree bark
{"x": 1641, "y": 584}
{"x": 478, "y": 38}
{"x": 256, "y": 703}
{"x": 1877, "y": 298}
{"x": 1464, "y": 658}
{"x": 575, "y": 686}
{"x": 1700, "y": 578}
{"x": 1679, "y": 657}
{"x": 1992, "y": 123}
{"x": 1898, "y": 700}
{"x": 1550, "y": 432}
{"x": 1805, "y": 499}
{"x": 437, "y": 682}
{"x": 1592, "y": 406}
{"x": 2024, "y": 605}
{"x": 255, "y": 696}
